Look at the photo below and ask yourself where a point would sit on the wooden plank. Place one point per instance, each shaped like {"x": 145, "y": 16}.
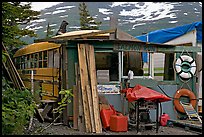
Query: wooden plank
{"x": 76, "y": 99}
{"x": 89, "y": 92}
{"x": 46, "y": 110}
{"x": 90, "y": 101}
{"x": 80, "y": 118}
{"x": 83, "y": 77}
{"x": 75, "y": 107}
{"x": 64, "y": 82}
{"x": 86, "y": 35}
{"x": 93, "y": 82}
{"x": 38, "y": 115}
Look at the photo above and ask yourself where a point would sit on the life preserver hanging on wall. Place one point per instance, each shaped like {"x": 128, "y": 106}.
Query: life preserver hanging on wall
{"x": 185, "y": 66}
{"x": 184, "y": 92}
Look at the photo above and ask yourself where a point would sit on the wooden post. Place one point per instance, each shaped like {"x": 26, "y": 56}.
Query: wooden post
{"x": 32, "y": 91}
{"x": 76, "y": 99}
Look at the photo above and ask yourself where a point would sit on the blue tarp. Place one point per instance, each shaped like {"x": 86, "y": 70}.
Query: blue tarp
{"x": 165, "y": 35}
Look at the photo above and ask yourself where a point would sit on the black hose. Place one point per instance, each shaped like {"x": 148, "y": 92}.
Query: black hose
{"x": 165, "y": 92}
{"x": 169, "y": 96}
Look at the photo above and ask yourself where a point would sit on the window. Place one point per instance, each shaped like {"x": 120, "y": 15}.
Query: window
{"x": 27, "y": 61}
{"x": 132, "y": 61}
{"x": 40, "y": 60}
{"x": 44, "y": 59}
{"x": 53, "y": 58}
{"x": 32, "y": 60}
{"x": 18, "y": 62}
{"x": 109, "y": 62}
{"x": 22, "y": 62}
{"x": 35, "y": 60}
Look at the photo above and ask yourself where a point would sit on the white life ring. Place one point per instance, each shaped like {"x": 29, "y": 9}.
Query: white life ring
{"x": 185, "y": 66}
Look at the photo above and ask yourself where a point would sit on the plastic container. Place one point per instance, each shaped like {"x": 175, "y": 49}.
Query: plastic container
{"x": 118, "y": 123}
{"x": 164, "y": 118}
{"x": 105, "y": 117}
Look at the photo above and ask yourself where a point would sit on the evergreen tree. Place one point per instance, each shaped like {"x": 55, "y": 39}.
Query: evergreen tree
{"x": 49, "y": 31}
{"x": 15, "y": 14}
{"x": 87, "y": 22}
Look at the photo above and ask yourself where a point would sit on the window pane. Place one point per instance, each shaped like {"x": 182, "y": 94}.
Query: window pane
{"x": 36, "y": 60}
{"x": 40, "y": 60}
{"x": 108, "y": 61}
{"x": 44, "y": 55}
{"x": 44, "y": 59}
{"x": 18, "y": 62}
{"x": 23, "y": 62}
{"x": 132, "y": 61}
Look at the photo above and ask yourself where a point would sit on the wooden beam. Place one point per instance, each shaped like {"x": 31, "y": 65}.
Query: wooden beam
{"x": 81, "y": 35}
{"x": 75, "y": 107}
{"x": 79, "y": 108}
{"x": 83, "y": 77}
{"x": 81, "y": 118}
{"x": 152, "y": 47}
{"x": 90, "y": 103}
{"x": 93, "y": 82}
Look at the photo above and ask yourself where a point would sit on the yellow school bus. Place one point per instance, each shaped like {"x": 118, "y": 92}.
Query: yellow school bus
{"x": 44, "y": 59}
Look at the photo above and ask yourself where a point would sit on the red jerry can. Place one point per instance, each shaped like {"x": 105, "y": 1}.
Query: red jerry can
{"x": 118, "y": 123}
{"x": 163, "y": 119}
{"x": 105, "y": 117}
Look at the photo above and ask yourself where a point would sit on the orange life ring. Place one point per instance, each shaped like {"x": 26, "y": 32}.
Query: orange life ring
{"x": 184, "y": 92}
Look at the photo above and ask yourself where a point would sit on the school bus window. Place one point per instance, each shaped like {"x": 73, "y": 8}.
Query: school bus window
{"x": 18, "y": 62}
{"x": 50, "y": 58}
{"x": 27, "y": 59}
{"x": 23, "y": 62}
{"x": 31, "y": 61}
{"x": 35, "y": 60}
{"x": 56, "y": 58}
{"x": 40, "y": 60}
{"x": 44, "y": 59}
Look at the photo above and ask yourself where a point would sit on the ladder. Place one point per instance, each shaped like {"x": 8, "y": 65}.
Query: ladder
{"x": 190, "y": 111}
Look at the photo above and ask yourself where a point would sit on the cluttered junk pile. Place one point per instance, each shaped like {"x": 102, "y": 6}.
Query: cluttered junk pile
{"x": 143, "y": 99}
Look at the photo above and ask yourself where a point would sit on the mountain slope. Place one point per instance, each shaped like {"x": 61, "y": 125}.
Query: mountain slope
{"x": 134, "y": 18}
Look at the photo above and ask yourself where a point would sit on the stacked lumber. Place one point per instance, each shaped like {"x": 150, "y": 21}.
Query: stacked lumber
{"x": 88, "y": 87}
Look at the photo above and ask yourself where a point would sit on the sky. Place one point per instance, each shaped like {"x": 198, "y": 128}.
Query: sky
{"x": 37, "y": 6}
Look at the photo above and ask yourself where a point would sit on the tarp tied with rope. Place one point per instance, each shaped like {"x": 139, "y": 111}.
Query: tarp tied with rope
{"x": 141, "y": 92}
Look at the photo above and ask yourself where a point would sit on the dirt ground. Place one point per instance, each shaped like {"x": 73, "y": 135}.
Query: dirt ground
{"x": 60, "y": 129}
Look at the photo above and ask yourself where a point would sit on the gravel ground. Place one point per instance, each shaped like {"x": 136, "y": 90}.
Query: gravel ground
{"x": 59, "y": 129}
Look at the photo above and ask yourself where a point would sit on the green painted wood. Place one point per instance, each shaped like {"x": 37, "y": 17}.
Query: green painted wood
{"x": 153, "y": 48}
{"x": 72, "y": 59}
